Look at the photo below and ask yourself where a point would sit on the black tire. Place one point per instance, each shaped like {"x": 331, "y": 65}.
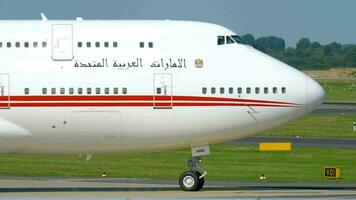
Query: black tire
{"x": 189, "y": 181}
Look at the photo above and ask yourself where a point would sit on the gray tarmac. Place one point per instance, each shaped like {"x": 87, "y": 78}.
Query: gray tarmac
{"x": 299, "y": 142}
{"x": 336, "y": 108}
{"x": 116, "y": 188}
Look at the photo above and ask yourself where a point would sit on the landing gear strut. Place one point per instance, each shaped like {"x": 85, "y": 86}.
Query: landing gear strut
{"x": 193, "y": 180}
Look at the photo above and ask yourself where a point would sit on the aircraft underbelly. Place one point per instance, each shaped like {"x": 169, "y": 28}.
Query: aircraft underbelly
{"x": 129, "y": 129}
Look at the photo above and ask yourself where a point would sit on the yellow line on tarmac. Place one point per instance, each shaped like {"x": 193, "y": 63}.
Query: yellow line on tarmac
{"x": 275, "y": 146}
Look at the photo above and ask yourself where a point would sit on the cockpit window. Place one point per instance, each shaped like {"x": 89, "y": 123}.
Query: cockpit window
{"x": 239, "y": 40}
{"x": 229, "y": 40}
{"x": 221, "y": 40}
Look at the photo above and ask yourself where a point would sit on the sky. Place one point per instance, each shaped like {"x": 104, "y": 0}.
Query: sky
{"x": 320, "y": 20}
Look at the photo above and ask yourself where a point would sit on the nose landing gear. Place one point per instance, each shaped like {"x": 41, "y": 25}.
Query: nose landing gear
{"x": 193, "y": 180}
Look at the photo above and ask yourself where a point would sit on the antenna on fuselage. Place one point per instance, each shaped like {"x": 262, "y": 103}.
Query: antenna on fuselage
{"x": 43, "y": 16}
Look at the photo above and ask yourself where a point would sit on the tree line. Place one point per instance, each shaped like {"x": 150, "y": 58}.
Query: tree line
{"x": 307, "y": 54}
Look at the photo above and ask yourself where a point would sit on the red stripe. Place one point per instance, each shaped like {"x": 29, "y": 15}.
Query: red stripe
{"x": 229, "y": 104}
{"x": 134, "y": 104}
{"x": 196, "y": 98}
{"x": 136, "y": 98}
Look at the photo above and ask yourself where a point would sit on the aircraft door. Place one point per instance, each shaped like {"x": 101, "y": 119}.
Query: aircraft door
{"x": 162, "y": 90}
{"x": 62, "y": 42}
{"x": 4, "y": 91}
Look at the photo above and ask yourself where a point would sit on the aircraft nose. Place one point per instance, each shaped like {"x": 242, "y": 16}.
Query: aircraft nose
{"x": 315, "y": 95}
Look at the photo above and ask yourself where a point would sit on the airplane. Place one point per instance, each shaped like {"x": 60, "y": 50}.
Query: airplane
{"x": 91, "y": 86}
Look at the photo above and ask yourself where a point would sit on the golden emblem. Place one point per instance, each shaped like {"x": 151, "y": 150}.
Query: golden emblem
{"x": 199, "y": 63}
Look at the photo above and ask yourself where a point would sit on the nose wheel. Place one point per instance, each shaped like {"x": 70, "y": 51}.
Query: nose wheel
{"x": 191, "y": 181}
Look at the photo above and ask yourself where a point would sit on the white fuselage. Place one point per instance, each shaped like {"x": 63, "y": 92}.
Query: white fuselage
{"x": 138, "y": 98}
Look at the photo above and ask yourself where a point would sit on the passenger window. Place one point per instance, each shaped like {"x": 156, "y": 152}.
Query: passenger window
{"x": 239, "y": 90}
{"x": 114, "y": 44}
{"x": 106, "y": 44}
{"x": 88, "y": 90}
{"x": 53, "y": 90}
{"x": 97, "y": 91}
{"x": 222, "y": 90}
{"x": 97, "y": 44}
{"x": 284, "y": 90}
{"x": 158, "y": 91}
{"x": 204, "y": 90}
{"x": 248, "y": 90}
{"x": 17, "y": 44}
{"x": 44, "y": 90}
{"x": 116, "y": 91}
{"x": 27, "y": 44}
{"x": 257, "y": 90}
{"x": 150, "y": 45}
{"x": 265, "y": 90}
{"x": 124, "y": 90}
{"x": 35, "y": 44}
{"x": 80, "y": 44}
{"x": 71, "y": 90}
{"x": 27, "y": 91}
{"x": 229, "y": 40}
{"x": 107, "y": 90}
{"x": 221, "y": 40}
{"x": 44, "y": 44}
{"x": 88, "y": 44}
{"x": 231, "y": 90}
{"x": 0, "y": 44}
{"x": 62, "y": 90}
{"x": 142, "y": 44}
{"x": 274, "y": 90}
{"x": 80, "y": 90}
{"x": 213, "y": 90}
{"x": 8, "y": 45}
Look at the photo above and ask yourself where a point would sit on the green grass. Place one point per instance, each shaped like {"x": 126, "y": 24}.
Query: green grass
{"x": 317, "y": 126}
{"x": 339, "y": 90}
{"x": 226, "y": 163}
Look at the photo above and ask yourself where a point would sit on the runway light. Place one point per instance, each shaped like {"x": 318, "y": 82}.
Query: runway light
{"x": 263, "y": 177}
{"x": 103, "y": 175}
